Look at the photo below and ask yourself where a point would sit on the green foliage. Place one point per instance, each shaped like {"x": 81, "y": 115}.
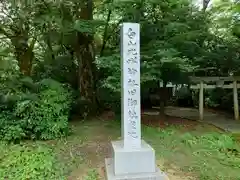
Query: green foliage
{"x": 62, "y": 69}
{"x": 220, "y": 98}
{"x": 87, "y": 26}
{"x": 177, "y": 39}
{"x": 20, "y": 162}
{"x": 39, "y": 112}
{"x": 92, "y": 175}
{"x": 111, "y": 66}
{"x": 110, "y": 99}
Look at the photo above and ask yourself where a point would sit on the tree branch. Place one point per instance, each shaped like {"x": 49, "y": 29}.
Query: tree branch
{"x": 105, "y": 32}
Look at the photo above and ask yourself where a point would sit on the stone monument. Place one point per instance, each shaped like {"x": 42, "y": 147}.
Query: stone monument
{"x": 132, "y": 158}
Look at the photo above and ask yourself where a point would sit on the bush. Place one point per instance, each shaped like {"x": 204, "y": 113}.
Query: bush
{"x": 107, "y": 100}
{"x": 62, "y": 69}
{"x": 219, "y": 98}
{"x": 110, "y": 100}
{"x": 41, "y": 113}
{"x": 24, "y": 162}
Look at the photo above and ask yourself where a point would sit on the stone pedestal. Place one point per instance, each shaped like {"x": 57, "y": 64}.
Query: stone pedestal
{"x": 132, "y": 164}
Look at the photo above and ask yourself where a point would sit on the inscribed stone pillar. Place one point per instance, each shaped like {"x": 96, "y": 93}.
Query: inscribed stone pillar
{"x": 132, "y": 158}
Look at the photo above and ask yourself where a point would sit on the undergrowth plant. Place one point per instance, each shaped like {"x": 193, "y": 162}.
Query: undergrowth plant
{"x": 35, "y": 110}
{"x": 21, "y": 162}
{"x": 92, "y": 175}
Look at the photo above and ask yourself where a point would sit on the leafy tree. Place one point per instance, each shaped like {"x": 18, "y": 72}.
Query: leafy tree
{"x": 16, "y": 24}
{"x": 77, "y": 43}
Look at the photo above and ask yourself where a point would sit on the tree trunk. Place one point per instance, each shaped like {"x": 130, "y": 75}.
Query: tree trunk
{"x": 87, "y": 67}
{"x": 24, "y": 55}
{"x": 105, "y": 33}
{"x": 162, "y": 108}
{"x": 163, "y": 99}
{"x": 23, "y": 51}
{"x": 25, "y": 59}
{"x": 87, "y": 78}
{"x": 49, "y": 45}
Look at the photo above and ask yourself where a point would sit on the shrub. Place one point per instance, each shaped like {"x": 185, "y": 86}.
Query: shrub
{"x": 62, "y": 69}
{"x": 36, "y": 113}
{"x": 110, "y": 100}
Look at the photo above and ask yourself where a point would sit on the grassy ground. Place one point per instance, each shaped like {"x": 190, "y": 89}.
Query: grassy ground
{"x": 201, "y": 152}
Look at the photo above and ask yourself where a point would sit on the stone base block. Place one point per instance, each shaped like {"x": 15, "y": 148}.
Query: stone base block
{"x": 133, "y": 161}
{"x": 110, "y": 175}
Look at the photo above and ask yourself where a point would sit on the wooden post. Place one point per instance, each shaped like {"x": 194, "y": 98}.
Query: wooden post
{"x": 201, "y": 101}
{"x": 235, "y": 100}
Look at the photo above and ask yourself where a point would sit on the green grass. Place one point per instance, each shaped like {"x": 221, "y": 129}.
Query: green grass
{"x": 91, "y": 175}
{"x": 202, "y": 153}
{"x": 209, "y": 156}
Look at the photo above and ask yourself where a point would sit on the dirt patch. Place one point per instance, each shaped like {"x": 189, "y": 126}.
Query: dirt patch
{"x": 94, "y": 151}
{"x": 175, "y": 174}
{"x": 94, "y": 154}
{"x": 166, "y": 121}
{"x": 107, "y": 115}
{"x": 221, "y": 112}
